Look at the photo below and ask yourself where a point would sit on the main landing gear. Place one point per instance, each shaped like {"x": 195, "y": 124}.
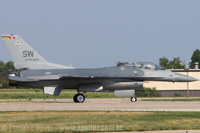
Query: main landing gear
{"x": 79, "y": 98}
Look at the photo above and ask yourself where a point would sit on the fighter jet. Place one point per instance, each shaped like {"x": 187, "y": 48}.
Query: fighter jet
{"x": 32, "y": 70}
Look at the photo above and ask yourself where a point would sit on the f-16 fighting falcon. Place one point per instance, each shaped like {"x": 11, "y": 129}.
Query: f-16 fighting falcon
{"x": 32, "y": 70}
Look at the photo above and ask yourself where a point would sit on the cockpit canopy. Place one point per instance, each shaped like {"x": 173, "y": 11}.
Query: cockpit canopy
{"x": 148, "y": 65}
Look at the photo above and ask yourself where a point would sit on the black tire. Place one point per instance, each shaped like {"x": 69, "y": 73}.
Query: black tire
{"x": 133, "y": 99}
{"x": 75, "y": 98}
{"x": 79, "y": 98}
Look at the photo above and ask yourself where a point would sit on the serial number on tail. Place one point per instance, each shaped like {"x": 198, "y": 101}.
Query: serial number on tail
{"x": 32, "y": 59}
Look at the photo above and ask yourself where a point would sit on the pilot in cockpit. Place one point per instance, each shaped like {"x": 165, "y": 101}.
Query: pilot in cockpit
{"x": 148, "y": 65}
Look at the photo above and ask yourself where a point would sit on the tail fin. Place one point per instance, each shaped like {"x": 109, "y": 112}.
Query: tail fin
{"x": 25, "y": 56}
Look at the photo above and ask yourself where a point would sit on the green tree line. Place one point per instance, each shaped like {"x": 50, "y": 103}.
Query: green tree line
{"x": 4, "y": 69}
{"x": 176, "y": 63}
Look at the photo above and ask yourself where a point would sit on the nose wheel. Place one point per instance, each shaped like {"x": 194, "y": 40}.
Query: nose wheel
{"x": 79, "y": 98}
{"x": 133, "y": 99}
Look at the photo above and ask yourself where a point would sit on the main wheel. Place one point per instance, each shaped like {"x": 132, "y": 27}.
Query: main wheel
{"x": 133, "y": 99}
{"x": 79, "y": 98}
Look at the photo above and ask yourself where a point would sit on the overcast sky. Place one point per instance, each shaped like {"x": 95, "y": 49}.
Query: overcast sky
{"x": 99, "y": 33}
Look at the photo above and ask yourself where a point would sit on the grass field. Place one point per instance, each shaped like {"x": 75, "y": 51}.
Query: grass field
{"x": 68, "y": 94}
{"x": 69, "y": 121}
{"x": 38, "y": 94}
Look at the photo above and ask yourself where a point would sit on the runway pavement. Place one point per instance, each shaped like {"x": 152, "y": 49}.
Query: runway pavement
{"x": 112, "y": 104}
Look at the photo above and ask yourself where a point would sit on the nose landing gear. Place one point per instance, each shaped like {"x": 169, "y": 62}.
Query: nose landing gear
{"x": 133, "y": 99}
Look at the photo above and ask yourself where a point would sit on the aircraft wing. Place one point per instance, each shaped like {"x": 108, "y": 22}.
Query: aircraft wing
{"x": 66, "y": 76}
{"x": 77, "y": 77}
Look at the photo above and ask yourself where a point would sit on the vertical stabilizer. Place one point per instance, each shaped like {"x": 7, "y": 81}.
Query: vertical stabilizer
{"x": 25, "y": 56}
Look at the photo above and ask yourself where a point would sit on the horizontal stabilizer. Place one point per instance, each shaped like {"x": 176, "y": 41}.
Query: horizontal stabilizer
{"x": 21, "y": 79}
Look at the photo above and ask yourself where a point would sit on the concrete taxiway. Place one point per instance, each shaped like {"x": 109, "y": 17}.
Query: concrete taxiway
{"x": 112, "y": 104}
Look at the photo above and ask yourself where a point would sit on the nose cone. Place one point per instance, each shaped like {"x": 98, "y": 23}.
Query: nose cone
{"x": 184, "y": 78}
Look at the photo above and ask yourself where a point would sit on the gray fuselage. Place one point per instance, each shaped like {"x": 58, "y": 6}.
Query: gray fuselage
{"x": 73, "y": 78}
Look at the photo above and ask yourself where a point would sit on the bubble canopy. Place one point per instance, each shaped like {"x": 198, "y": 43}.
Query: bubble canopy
{"x": 148, "y": 65}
